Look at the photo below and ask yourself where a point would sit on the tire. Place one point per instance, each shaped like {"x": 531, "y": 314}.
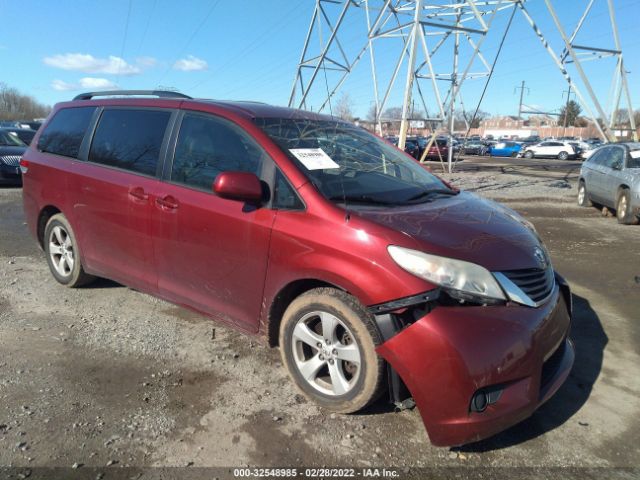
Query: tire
{"x": 583, "y": 195}
{"x": 333, "y": 383}
{"x": 514, "y": 154}
{"x": 528, "y": 154}
{"x": 563, "y": 156}
{"x": 63, "y": 254}
{"x": 624, "y": 213}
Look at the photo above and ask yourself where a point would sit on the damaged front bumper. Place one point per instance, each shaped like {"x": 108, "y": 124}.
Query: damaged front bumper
{"x": 474, "y": 371}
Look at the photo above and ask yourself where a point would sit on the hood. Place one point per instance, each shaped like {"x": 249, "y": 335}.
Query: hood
{"x": 6, "y": 150}
{"x": 465, "y": 227}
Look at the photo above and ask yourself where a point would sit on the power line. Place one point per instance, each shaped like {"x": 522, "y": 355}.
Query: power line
{"x": 124, "y": 38}
{"x": 214, "y": 4}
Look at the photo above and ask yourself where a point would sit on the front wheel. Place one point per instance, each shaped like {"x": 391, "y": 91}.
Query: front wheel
{"x": 624, "y": 213}
{"x": 63, "y": 254}
{"x": 528, "y": 154}
{"x": 563, "y": 156}
{"x": 327, "y": 342}
{"x": 583, "y": 196}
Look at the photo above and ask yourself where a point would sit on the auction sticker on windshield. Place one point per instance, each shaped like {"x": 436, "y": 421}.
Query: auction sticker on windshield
{"x": 314, "y": 158}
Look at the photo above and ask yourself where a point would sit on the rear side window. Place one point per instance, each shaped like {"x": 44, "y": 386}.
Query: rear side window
{"x": 64, "y": 133}
{"x": 130, "y": 139}
{"x": 208, "y": 146}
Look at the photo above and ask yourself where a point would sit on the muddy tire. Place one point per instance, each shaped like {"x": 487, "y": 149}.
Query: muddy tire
{"x": 624, "y": 213}
{"x": 63, "y": 254}
{"x": 327, "y": 342}
{"x": 583, "y": 195}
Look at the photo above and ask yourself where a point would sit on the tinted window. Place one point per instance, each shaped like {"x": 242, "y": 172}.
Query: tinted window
{"x": 614, "y": 154}
{"x": 208, "y": 146}
{"x": 284, "y": 196}
{"x": 130, "y": 139}
{"x": 64, "y": 133}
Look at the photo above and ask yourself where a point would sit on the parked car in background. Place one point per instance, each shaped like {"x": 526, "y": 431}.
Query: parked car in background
{"x": 410, "y": 146}
{"x": 438, "y": 150}
{"x": 504, "y": 149}
{"x": 24, "y": 134}
{"x": 364, "y": 268}
{"x": 611, "y": 177}
{"x": 11, "y": 149}
{"x": 550, "y": 149}
{"x": 474, "y": 148}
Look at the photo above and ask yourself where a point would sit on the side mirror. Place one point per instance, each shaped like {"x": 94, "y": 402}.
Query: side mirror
{"x": 617, "y": 165}
{"x": 241, "y": 186}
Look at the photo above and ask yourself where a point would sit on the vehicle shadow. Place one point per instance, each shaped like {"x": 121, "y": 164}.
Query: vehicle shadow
{"x": 590, "y": 341}
{"x": 100, "y": 283}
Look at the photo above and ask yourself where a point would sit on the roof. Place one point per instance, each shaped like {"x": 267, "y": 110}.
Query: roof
{"x": 264, "y": 110}
{"x": 169, "y": 98}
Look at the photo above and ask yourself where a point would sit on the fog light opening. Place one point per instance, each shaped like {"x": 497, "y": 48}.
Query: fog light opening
{"x": 485, "y": 397}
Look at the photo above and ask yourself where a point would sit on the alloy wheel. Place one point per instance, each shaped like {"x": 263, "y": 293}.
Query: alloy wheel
{"x": 61, "y": 251}
{"x": 326, "y": 353}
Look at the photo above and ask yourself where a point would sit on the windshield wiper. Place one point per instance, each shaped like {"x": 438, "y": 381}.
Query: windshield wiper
{"x": 429, "y": 193}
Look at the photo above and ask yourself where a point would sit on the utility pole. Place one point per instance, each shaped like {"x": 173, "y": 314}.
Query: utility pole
{"x": 522, "y": 88}
{"x": 566, "y": 111}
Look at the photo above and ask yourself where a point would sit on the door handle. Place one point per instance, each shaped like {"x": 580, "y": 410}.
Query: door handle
{"x": 167, "y": 203}
{"x": 138, "y": 193}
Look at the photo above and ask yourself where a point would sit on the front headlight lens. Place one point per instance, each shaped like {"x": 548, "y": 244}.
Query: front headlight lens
{"x": 451, "y": 274}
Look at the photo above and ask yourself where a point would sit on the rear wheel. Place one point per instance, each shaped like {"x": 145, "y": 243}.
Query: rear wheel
{"x": 624, "y": 213}
{"x": 327, "y": 342}
{"x": 563, "y": 156}
{"x": 514, "y": 154}
{"x": 528, "y": 154}
{"x": 63, "y": 255}
{"x": 583, "y": 196}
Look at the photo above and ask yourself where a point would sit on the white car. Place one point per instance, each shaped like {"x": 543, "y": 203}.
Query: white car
{"x": 550, "y": 149}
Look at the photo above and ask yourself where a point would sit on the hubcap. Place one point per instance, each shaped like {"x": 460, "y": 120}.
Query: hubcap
{"x": 61, "y": 251}
{"x": 326, "y": 353}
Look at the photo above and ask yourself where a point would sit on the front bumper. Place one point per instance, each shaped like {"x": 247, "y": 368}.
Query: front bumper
{"x": 10, "y": 174}
{"x": 451, "y": 353}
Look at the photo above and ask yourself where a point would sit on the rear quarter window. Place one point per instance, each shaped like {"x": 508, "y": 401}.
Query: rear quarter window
{"x": 63, "y": 135}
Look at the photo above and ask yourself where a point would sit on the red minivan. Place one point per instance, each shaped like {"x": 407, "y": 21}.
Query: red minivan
{"x": 371, "y": 274}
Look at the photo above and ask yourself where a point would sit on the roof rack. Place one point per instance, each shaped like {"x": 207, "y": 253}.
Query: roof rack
{"x": 108, "y": 93}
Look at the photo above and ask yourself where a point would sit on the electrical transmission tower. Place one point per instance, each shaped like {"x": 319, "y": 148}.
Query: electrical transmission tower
{"x": 436, "y": 47}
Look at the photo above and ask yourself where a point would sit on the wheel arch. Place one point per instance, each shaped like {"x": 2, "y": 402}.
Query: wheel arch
{"x": 283, "y": 299}
{"x": 43, "y": 217}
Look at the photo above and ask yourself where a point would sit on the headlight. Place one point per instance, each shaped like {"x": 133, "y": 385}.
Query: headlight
{"x": 464, "y": 280}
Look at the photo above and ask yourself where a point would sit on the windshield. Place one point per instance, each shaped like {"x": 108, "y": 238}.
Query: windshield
{"x": 8, "y": 140}
{"x": 347, "y": 163}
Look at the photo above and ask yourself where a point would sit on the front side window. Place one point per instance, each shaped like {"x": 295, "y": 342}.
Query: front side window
{"x": 208, "y": 146}
{"x": 130, "y": 139}
{"x": 64, "y": 133}
{"x": 615, "y": 155}
{"x": 349, "y": 165}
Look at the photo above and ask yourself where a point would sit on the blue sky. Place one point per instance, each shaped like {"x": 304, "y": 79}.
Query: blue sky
{"x": 248, "y": 49}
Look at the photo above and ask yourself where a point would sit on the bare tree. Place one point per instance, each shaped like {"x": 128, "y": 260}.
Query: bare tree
{"x": 344, "y": 107}
{"x": 17, "y": 106}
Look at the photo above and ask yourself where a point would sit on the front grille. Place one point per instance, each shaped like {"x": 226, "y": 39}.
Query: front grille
{"x": 11, "y": 160}
{"x": 536, "y": 283}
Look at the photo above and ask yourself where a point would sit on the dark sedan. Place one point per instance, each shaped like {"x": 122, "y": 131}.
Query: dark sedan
{"x": 475, "y": 148}
{"x": 24, "y": 134}
{"x": 11, "y": 149}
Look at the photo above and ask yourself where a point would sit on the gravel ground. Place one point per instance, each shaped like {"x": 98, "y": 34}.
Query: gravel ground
{"x": 105, "y": 377}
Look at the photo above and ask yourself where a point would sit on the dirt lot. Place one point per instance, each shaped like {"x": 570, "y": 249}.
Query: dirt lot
{"x": 105, "y": 375}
